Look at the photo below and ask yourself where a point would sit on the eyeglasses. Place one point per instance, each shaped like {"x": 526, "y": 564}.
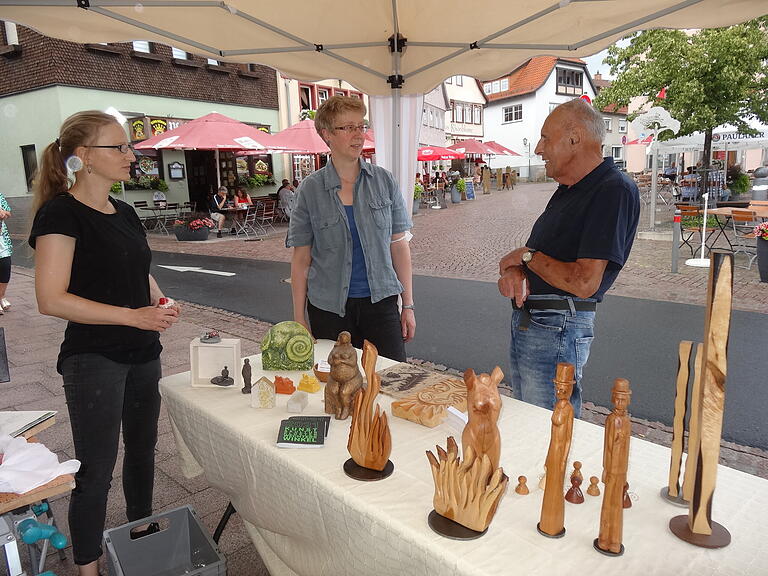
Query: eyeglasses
{"x": 352, "y": 129}
{"x": 124, "y": 148}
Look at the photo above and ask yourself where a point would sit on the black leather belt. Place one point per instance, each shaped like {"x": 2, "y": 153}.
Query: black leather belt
{"x": 578, "y": 305}
{"x": 555, "y": 304}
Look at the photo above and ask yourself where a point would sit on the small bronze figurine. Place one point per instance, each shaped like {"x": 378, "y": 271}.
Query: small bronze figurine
{"x": 224, "y": 379}
{"x": 246, "y": 376}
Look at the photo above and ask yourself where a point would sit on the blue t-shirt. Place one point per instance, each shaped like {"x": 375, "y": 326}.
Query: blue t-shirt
{"x": 358, "y": 281}
{"x": 595, "y": 218}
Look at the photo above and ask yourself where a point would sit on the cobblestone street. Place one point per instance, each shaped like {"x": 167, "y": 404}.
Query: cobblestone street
{"x": 466, "y": 240}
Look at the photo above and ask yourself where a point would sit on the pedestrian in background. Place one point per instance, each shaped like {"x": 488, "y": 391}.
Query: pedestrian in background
{"x": 92, "y": 269}
{"x": 6, "y": 249}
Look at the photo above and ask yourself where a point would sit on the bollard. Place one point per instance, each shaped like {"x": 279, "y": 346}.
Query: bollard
{"x": 675, "y": 240}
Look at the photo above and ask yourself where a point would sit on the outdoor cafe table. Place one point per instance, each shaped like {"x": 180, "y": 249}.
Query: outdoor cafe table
{"x": 726, "y": 213}
{"x": 306, "y": 517}
{"x": 160, "y": 213}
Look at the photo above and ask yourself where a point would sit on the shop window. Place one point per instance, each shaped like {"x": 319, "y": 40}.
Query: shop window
{"x": 142, "y": 46}
{"x": 29, "y": 157}
{"x": 512, "y": 113}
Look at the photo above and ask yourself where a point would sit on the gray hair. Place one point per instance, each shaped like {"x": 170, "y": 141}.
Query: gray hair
{"x": 223, "y": 189}
{"x": 581, "y": 112}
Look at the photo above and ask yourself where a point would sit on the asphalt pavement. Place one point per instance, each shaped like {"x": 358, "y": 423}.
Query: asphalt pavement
{"x": 465, "y": 324}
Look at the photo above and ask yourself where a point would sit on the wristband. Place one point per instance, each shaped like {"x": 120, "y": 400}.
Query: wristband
{"x": 409, "y": 307}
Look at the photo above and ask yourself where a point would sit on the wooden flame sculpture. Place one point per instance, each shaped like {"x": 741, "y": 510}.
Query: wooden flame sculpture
{"x": 370, "y": 442}
{"x": 467, "y": 492}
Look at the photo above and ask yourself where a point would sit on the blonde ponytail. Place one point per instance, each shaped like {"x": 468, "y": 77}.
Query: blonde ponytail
{"x": 80, "y": 129}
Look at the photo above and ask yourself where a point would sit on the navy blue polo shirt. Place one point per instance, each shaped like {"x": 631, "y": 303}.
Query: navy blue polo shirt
{"x": 595, "y": 218}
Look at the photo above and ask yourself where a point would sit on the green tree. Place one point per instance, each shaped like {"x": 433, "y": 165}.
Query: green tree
{"x": 712, "y": 77}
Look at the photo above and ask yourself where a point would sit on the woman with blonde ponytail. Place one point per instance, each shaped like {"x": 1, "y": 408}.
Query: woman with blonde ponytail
{"x": 92, "y": 269}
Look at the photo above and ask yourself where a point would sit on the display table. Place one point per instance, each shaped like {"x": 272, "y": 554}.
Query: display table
{"x": 307, "y": 517}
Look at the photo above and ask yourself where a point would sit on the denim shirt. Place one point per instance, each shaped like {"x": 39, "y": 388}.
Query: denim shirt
{"x": 319, "y": 220}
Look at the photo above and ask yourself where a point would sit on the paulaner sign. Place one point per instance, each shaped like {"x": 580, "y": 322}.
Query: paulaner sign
{"x": 738, "y": 136}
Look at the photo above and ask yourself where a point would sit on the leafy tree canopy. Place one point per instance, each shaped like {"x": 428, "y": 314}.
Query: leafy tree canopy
{"x": 712, "y": 77}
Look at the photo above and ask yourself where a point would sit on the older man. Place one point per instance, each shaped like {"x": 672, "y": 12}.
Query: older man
{"x": 574, "y": 253}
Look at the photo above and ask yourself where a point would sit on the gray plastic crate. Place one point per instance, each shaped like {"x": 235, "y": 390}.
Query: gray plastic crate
{"x": 183, "y": 548}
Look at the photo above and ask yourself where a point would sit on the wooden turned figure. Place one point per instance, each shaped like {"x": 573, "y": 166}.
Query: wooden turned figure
{"x": 574, "y": 494}
{"x": 522, "y": 487}
{"x": 618, "y": 431}
{"x": 552, "y": 521}
{"x": 483, "y": 407}
{"x": 594, "y": 489}
{"x": 370, "y": 442}
{"x": 344, "y": 379}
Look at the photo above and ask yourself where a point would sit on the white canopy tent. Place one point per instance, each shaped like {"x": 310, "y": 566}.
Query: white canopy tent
{"x": 383, "y": 47}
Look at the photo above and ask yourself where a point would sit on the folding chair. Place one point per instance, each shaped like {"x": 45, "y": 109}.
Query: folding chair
{"x": 688, "y": 232}
{"x": 265, "y": 214}
{"x": 744, "y": 238}
{"x": 141, "y": 206}
{"x": 249, "y": 225}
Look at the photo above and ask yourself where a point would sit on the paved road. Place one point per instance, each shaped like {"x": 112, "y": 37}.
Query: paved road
{"x": 464, "y": 323}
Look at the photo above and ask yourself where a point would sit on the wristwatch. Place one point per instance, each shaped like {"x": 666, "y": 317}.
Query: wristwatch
{"x": 527, "y": 256}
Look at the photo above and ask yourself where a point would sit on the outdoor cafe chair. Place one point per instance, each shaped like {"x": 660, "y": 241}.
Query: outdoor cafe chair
{"x": 688, "y": 231}
{"x": 249, "y": 224}
{"x": 744, "y": 237}
{"x": 141, "y": 207}
{"x": 265, "y": 214}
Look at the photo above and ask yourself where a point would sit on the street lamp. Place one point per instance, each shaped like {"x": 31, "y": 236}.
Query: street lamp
{"x": 528, "y": 147}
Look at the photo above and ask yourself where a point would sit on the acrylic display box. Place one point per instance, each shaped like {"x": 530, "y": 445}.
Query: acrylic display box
{"x": 208, "y": 360}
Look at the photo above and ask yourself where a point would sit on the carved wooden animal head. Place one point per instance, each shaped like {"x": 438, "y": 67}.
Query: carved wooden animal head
{"x": 483, "y": 392}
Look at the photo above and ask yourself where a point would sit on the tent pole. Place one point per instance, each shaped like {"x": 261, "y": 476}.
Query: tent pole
{"x": 654, "y": 178}
{"x": 218, "y": 171}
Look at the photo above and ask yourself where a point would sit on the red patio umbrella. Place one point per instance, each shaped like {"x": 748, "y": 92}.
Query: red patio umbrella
{"x": 301, "y": 138}
{"x": 499, "y": 149}
{"x": 210, "y": 132}
{"x": 428, "y": 153}
{"x": 471, "y": 146}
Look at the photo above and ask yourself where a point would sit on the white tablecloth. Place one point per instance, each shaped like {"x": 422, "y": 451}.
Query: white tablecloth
{"x": 307, "y": 517}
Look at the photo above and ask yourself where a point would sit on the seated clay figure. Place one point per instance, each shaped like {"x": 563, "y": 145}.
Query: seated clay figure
{"x": 344, "y": 379}
{"x": 224, "y": 379}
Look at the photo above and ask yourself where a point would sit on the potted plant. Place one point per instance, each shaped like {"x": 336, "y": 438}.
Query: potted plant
{"x": 461, "y": 191}
{"x": 761, "y": 232}
{"x": 418, "y": 191}
{"x": 193, "y": 227}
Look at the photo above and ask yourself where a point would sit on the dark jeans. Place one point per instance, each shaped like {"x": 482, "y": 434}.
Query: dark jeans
{"x": 378, "y": 323}
{"x": 5, "y": 270}
{"x": 100, "y": 395}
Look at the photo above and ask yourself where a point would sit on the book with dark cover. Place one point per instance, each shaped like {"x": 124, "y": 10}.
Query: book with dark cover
{"x": 301, "y": 434}
{"x": 325, "y": 421}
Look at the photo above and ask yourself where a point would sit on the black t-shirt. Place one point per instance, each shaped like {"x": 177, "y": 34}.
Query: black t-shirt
{"x": 595, "y": 218}
{"x": 111, "y": 266}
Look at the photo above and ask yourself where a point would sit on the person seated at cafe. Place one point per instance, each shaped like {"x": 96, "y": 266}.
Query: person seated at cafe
{"x": 242, "y": 198}
{"x": 670, "y": 172}
{"x": 419, "y": 181}
{"x": 217, "y": 209}
{"x": 287, "y": 198}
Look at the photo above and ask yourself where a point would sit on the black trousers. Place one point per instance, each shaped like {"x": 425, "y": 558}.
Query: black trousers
{"x": 102, "y": 394}
{"x": 378, "y": 323}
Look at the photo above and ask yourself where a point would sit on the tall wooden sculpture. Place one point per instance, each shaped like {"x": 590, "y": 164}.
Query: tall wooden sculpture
{"x": 370, "y": 442}
{"x": 483, "y": 407}
{"x": 552, "y": 521}
{"x": 467, "y": 493}
{"x": 618, "y": 431}
{"x": 672, "y": 491}
{"x": 697, "y": 527}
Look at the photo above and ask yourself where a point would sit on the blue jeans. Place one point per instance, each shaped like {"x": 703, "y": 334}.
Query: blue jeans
{"x": 552, "y": 336}
{"x": 102, "y": 394}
